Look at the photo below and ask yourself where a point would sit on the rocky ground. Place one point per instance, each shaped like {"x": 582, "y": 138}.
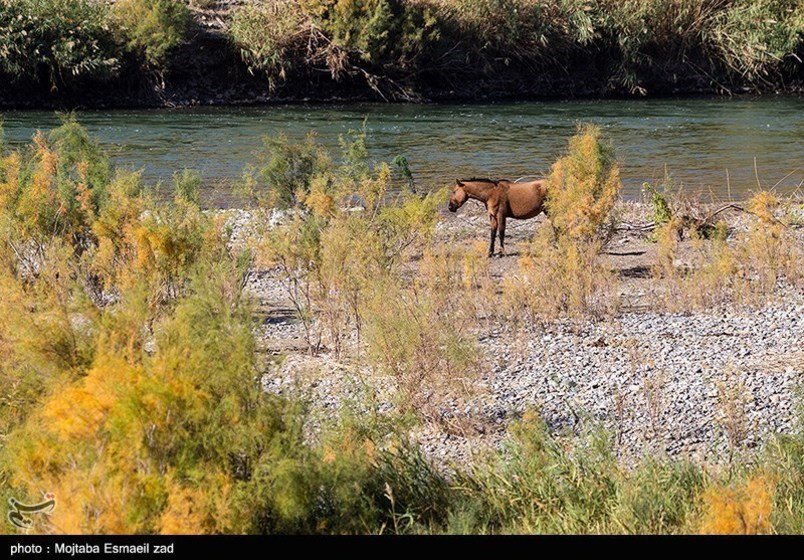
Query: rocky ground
{"x": 684, "y": 385}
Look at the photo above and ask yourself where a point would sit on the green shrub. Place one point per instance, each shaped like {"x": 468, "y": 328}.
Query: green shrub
{"x": 270, "y": 37}
{"x": 376, "y": 31}
{"x": 536, "y": 486}
{"x": 757, "y": 38}
{"x": 152, "y": 28}
{"x": 659, "y": 203}
{"x": 403, "y": 48}
{"x": 56, "y": 41}
{"x": 785, "y": 457}
{"x": 348, "y": 483}
{"x": 637, "y": 44}
{"x": 521, "y": 30}
{"x": 659, "y": 497}
{"x": 55, "y": 189}
{"x": 187, "y": 186}
{"x": 652, "y": 36}
{"x": 346, "y": 38}
{"x": 290, "y": 169}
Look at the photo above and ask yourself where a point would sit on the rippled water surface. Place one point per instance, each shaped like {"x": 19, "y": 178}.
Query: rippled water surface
{"x": 720, "y": 145}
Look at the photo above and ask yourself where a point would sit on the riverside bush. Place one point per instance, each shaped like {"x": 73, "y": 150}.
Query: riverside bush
{"x": 562, "y": 488}
{"x": 637, "y": 44}
{"x": 746, "y": 269}
{"x": 583, "y": 187}
{"x": 757, "y": 39}
{"x": 343, "y": 270}
{"x": 378, "y": 31}
{"x": 406, "y": 49}
{"x": 151, "y": 28}
{"x": 270, "y": 37}
{"x": 557, "y": 277}
{"x": 56, "y": 41}
{"x": 141, "y": 410}
{"x": 369, "y": 38}
{"x": 65, "y": 43}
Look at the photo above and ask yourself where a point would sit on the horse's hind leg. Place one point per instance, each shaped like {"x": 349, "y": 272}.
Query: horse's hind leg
{"x": 501, "y": 221}
{"x": 493, "y": 235}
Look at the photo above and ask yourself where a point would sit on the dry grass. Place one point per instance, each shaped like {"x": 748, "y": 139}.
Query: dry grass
{"x": 558, "y": 278}
{"x": 733, "y": 399}
{"x": 750, "y": 268}
{"x": 422, "y": 334}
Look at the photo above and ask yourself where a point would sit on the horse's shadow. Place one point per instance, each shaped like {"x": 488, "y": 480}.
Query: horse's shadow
{"x": 279, "y": 316}
{"x": 625, "y": 253}
{"x": 635, "y": 272}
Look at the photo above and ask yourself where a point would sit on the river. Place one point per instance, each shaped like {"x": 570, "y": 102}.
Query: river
{"x": 723, "y": 147}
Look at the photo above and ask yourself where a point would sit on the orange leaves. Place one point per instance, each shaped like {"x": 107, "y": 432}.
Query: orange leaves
{"x": 10, "y": 169}
{"x": 76, "y": 413}
{"x": 83, "y": 195}
{"x": 37, "y": 205}
{"x": 763, "y": 204}
{"x": 744, "y": 510}
{"x": 80, "y": 410}
{"x": 183, "y": 514}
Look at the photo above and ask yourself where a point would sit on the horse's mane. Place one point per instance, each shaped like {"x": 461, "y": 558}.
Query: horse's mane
{"x": 482, "y": 180}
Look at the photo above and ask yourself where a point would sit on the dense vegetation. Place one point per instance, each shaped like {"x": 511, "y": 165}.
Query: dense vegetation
{"x": 69, "y": 44}
{"x": 130, "y": 377}
{"x": 407, "y": 49}
{"x": 402, "y": 46}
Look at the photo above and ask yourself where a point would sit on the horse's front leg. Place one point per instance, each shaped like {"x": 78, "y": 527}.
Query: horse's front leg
{"x": 493, "y": 234}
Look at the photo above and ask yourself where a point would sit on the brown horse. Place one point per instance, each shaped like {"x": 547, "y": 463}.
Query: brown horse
{"x": 503, "y": 199}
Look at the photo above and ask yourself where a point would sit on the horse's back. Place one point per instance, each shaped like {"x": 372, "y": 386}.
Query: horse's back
{"x": 526, "y": 199}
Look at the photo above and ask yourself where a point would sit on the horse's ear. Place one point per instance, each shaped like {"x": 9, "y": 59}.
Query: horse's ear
{"x": 458, "y": 182}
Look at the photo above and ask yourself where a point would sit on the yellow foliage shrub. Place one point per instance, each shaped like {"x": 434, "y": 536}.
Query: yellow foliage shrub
{"x": 583, "y": 187}
{"x": 562, "y": 273}
{"x": 129, "y": 446}
{"x": 183, "y": 514}
{"x": 769, "y": 250}
{"x": 745, "y": 510}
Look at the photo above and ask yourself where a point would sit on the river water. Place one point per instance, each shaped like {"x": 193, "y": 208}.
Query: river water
{"x": 724, "y": 147}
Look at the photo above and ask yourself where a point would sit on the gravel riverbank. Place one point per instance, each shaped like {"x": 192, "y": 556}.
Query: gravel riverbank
{"x": 661, "y": 383}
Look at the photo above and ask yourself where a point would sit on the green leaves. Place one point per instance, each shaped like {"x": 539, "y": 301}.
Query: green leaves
{"x": 152, "y": 28}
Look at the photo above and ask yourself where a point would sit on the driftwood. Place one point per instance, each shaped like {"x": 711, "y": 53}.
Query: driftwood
{"x": 687, "y": 221}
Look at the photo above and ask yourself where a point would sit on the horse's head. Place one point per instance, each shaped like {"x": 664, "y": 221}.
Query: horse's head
{"x": 458, "y": 197}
